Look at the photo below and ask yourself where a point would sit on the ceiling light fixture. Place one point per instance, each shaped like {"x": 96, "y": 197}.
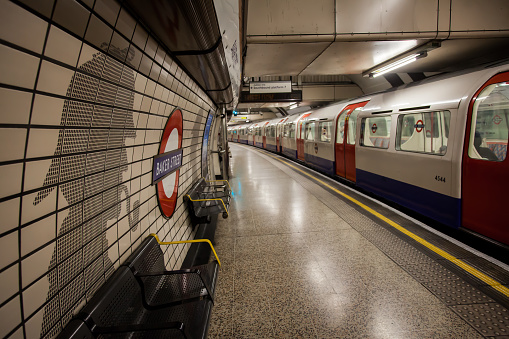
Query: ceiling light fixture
{"x": 397, "y": 64}
{"x": 401, "y": 61}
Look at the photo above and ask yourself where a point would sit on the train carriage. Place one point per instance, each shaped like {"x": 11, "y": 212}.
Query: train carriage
{"x": 270, "y": 142}
{"x": 438, "y": 147}
{"x": 291, "y": 130}
{"x": 243, "y": 132}
{"x": 421, "y": 147}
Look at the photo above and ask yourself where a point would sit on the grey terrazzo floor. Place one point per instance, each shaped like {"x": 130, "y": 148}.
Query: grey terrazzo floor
{"x": 294, "y": 268}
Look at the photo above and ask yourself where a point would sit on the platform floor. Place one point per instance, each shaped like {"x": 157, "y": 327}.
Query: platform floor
{"x": 301, "y": 261}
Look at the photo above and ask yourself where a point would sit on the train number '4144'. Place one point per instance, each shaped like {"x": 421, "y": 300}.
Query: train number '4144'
{"x": 439, "y": 178}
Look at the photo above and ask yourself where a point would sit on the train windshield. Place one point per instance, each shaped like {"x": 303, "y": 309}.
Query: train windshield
{"x": 489, "y": 132}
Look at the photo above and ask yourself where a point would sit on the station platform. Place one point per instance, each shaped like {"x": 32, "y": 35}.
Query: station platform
{"x": 304, "y": 256}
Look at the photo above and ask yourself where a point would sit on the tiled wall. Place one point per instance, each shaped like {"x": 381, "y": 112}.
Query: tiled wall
{"x": 85, "y": 92}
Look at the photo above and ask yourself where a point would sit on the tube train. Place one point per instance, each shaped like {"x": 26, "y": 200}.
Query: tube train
{"x": 437, "y": 147}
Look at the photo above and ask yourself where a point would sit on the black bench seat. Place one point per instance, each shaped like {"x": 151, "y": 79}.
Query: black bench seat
{"x": 144, "y": 300}
{"x": 205, "y": 199}
{"x": 161, "y": 286}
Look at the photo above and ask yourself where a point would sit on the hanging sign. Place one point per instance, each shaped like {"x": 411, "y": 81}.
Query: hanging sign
{"x": 270, "y": 87}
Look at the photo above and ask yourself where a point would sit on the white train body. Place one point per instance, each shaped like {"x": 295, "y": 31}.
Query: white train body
{"x": 437, "y": 147}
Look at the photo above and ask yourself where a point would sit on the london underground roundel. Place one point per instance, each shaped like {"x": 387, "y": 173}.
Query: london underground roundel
{"x": 166, "y": 165}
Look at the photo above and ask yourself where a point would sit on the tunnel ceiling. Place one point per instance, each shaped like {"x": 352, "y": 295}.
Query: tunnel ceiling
{"x": 326, "y": 43}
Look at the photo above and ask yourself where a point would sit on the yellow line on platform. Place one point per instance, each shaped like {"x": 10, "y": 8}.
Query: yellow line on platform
{"x": 491, "y": 282}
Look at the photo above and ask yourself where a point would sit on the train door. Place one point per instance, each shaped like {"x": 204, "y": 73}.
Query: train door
{"x": 279, "y": 126}
{"x": 264, "y": 138}
{"x": 485, "y": 165}
{"x": 300, "y": 137}
{"x": 346, "y": 130}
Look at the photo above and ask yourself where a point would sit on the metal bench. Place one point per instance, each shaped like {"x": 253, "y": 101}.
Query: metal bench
{"x": 207, "y": 198}
{"x": 144, "y": 300}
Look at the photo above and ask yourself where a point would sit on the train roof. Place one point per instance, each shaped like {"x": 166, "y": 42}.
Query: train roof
{"x": 438, "y": 93}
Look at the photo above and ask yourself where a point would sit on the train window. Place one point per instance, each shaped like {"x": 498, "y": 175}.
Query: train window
{"x": 376, "y": 132}
{"x": 340, "y": 136}
{"x": 310, "y": 131}
{"x": 352, "y": 126}
{"x": 423, "y": 132}
{"x": 271, "y": 131}
{"x": 291, "y": 131}
{"x": 325, "y": 129}
{"x": 489, "y": 131}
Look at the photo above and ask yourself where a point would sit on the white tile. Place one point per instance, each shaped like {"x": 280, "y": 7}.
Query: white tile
{"x": 9, "y": 246}
{"x": 62, "y": 46}
{"x": 9, "y": 283}
{"x": 87, "y": 54}
{"x": 135, "y": 57}
{"x": 155, "y": 71}
{"x": 140, "y": 37}
{"x": 38, "y": 234}
{"x": 21, "y": 27}
{"x": 71, "y": 15}
{"x": 9, "y": 210}
{"x": 18, "y": 334}
{"x": 145, "y": 104}
{"x": 34, "y": 325}
{"x": 120, "y": 43}
{"x": 15, "y": 138}
{"x": 35, "y": 296}
{"x": 150, "y": 88}
{"x": 17, "y": 68}
{"x": 126, "y": 24}
{"x": 151, "y": 47}
{"x": 98, "y": 33}
{"x": 31, "y": 211}
{"x": 36, "y": 265}
{"x": 10, "y": 179}
{"x": 47, "y": 110}
{"x": 125, "y": 241}
{"x": 35, "y": 173}
{"x": 89, "y": 3}
{"x": 140, "y": 83}
{"x": 160, "y": 55}
{"x": 10, "y": 316}
{"x": 14, "y": 106}
{"x": 54, "y": 79}
{"x": 146, "y": 64}
{"x": 108, "y": 10}
{"x": 42, "y": 142}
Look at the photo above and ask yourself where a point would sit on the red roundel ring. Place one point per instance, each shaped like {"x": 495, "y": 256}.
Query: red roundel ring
{"x": 167, "y": 189}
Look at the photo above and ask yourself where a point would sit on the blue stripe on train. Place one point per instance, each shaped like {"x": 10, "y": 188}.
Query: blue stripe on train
{"x": 292, "y": 153}
{"x": 437, "y": 206}
{"x": 271, "y": 147}
{"x": 322, "y": 164}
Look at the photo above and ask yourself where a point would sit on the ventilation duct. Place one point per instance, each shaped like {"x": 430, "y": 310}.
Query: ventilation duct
{"x": 190, "y": 31}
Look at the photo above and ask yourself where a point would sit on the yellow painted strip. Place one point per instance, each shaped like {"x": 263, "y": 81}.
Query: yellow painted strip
{"x": 493, "y": 283}
{"x": 187, "y": 195}
{"x": 186, "y": 242}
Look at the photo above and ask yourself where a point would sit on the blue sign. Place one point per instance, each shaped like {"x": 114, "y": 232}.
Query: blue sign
{"x": 205, "y": 146}
{"x": 165, "y": 164}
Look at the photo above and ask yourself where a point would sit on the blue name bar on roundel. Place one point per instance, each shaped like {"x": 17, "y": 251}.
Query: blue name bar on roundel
{"x": 165, "y": 164}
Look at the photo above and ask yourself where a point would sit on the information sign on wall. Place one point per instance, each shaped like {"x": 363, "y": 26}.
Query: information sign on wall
{"x": 166, "y": 165}
{"x": 205, "y": 145}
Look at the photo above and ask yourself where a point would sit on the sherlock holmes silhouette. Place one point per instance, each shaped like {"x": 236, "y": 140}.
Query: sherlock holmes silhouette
{"x": 89, "y": 161}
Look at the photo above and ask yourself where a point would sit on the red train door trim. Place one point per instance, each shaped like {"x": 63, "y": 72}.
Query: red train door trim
{"x": 345, "y": 153}
{"x": 300, "y": 140}
{"x": 485, "y": 184}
